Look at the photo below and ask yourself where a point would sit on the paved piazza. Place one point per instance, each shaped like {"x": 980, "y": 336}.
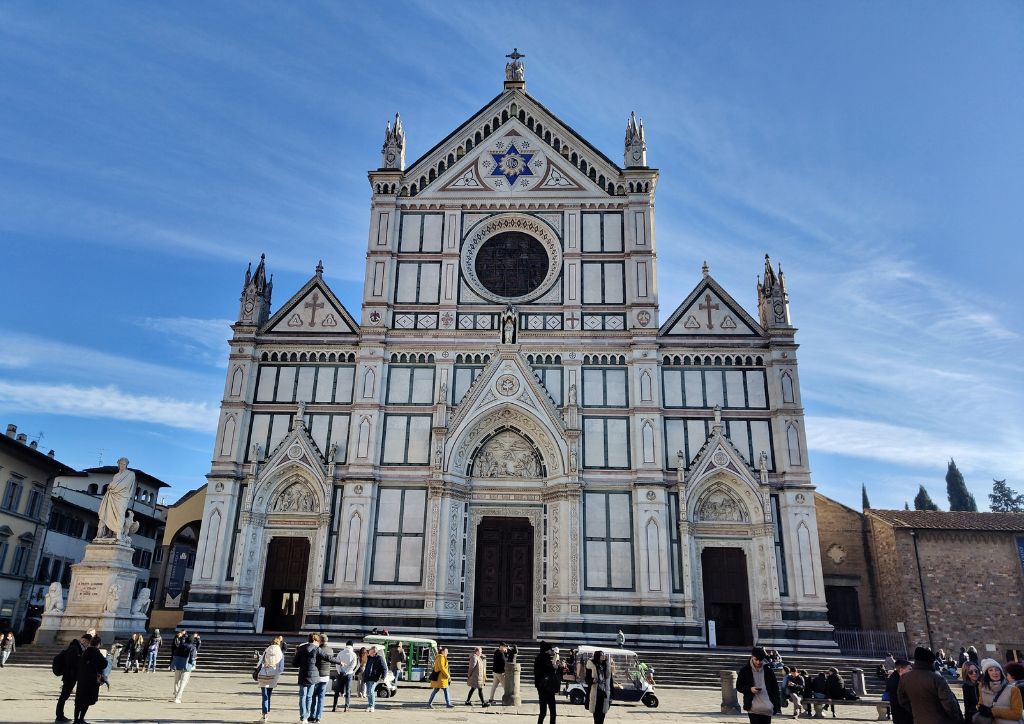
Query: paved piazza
{"x": 28, "y": 694}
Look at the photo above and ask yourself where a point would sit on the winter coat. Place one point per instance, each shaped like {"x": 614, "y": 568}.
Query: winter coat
{"x": 971, "y": 698}
{"x": 900, "y": 715}
{"x": 835, "y": 688}
{"x": 476, "y": 675}
{"x": 324, "y": 665}
{"x": 1006, "y": 704}
{"x": 606, "y": 687}
{"x": 307, "y": 660}
{"x": 271, "y": 667}
{"x": 90, "y": 668}
{"x": 498, "y": 661}
{"x": 928, "y": 696}
{"x": 397, "y": 658}
{"x": 547, "y": 677}
{"x": 72, "y": 655}
{"x": 183, "y": 657}
{"x": 135, "y": 649}
{"x": 443, "y": 676}
{"x": 375, "y": 669}
{"x": 346, "y": 661}
{"x": 745, "y": 681}
{"x": 8, "y": 645}
{"x": 154, "y": 643}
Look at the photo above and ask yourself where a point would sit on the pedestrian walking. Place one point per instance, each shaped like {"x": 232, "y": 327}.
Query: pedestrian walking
{"x": 271, "y": 668}
{"x": 1000, "y": 699}
{"x": 759, "y": 688}
{"x": 346, "y": 661}
{"x": 926, "y": 694}
{"x": 547, "y": 678}
{"x": 898, "y": 713}
{"x": 68, "y": 668}
{"x": 396, "y": 660}
{"x": 183, "y": 634}
{"x": 440, "y": 678}
{"x": 970, "y": 693}
{"x": 324, "y": 667}
{"x": 499, "y": 661}
{"x": 90, "y": 676}
{"x": 374, "y": 671}
{"x": 599, "y": 680}
{"x": 7, "y": 647}
{"x": 306, "y": 660}
{"x": 183, "y": 661}
{"x": 152, "y": 649}
{"x": 361, "y": 653}
{"x": 476, "y": 676}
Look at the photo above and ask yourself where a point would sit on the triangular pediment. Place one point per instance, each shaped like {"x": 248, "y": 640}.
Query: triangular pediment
{"x": 513, "y": 146}
{"x": 314, "y": 309}
{"x": 297, "y": 449}
{"x": 709, "y": 311}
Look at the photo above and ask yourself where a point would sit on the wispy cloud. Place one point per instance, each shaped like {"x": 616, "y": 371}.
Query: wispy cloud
{"x": 108, "y": 402}
{"x": 204, "y": 340}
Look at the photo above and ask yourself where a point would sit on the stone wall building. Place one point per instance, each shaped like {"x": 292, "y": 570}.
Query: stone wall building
{"x": 952, "y": 579}
{"x": 846, "y": 566}
{"x": 504, "y": 442}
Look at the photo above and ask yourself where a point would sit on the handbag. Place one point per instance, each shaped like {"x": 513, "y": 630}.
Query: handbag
{"x": 256, "y": 671}
{"x": 434, "y": 675}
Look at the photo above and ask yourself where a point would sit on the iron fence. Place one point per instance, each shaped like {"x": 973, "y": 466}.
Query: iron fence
{"x": 871, "y": 643}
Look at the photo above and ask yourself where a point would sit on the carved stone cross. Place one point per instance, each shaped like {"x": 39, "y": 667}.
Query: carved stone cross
{"x": 708, "y": 306}
{"x": 315, "y": 304}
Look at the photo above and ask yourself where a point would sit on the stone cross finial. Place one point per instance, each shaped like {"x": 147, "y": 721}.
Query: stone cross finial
{"x": 515, "y": 71}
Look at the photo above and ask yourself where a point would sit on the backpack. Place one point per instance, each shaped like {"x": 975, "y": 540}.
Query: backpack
{"x": 58, "y": 663}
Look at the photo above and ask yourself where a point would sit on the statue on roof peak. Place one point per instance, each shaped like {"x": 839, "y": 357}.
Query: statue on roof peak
{"x": 515, "y": 71}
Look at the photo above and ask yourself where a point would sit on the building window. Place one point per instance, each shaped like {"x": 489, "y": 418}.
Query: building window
{"x": 35, "y": 502}
{"x": 688, "y": 435}
{"x": 20, "y": 562}
{"x": 608, "y": 523}
{"x": 602, "y": 231}
{"x": 237, "y": 529}
{"x": 43, "y": 575}
{"x": 332, "y": 535}
{"x": 93, "y": 489}
{"x": 12, "y": 495}
{"x": 3, "y": 554}
{"x": 410, "y": 385}
{"x": 406, "y": 440}
{"x": 606, "y": 442}
{"x": 605, "y": 387}
{"x": 465, "y": 376}
{"x": 398, "y": 542}
{"x": 418, "y": 283}
{"x": 551, "y": 378}
{"x": 780, "y": 550}
{"x": 603, "y": 282}
{"x": 675, "y": 543}
{"x": 305, "y": 383}
{"x": 158, "y": 555}
{"x": 706, "y": 388}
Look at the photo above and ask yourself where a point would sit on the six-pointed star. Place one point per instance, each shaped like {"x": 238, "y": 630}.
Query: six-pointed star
{"x": 512, "y": 164}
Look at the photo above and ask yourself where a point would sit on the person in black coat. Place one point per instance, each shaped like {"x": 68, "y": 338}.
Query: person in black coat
{"x": 72, "y": 655}
{"x": 548, "y": 679}
{"x": 307, "y": 660}
{"x": 757, "y": 684}
{"x": 90, "y": 676}
{"x": 900, "y": 714}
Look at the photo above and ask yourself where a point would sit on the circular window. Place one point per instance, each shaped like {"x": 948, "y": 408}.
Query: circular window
{"x": 511, "y": 264}
{"x": 511, "y": 258}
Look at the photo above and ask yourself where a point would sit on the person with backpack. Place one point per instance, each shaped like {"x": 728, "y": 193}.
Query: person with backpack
{"x": 999, "y": 699}
{"x": 152, "y": 649}
{"x": 91, "y": 667}
{"x": 65, "y": 665}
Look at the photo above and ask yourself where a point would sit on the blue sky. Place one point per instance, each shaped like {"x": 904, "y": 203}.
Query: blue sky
{"x": 149, "y": 150}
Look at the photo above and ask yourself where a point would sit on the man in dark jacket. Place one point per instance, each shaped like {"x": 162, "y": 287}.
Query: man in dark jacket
{"x": 323, "y": 667}
{"x": 757, "y": 684}
{"x": 498, "y": 661}
{"x": 547, "y": 678}
{"x": 306, "y": 660}
{"x": 72, "y": 655}
{"x": 900, "y": 714}
{"x": 375, "y": 671}
{"x": 927, "y": 694}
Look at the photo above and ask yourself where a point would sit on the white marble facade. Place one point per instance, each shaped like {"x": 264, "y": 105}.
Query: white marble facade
{"x": 508, "y": 363}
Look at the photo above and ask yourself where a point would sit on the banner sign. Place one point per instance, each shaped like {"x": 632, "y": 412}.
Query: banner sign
{"x": 1020, "y": 551}
{"x": 176, "y": 576}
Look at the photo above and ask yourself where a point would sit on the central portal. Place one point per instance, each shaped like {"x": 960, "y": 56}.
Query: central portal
{"x": 284, "y": 583}
{"x": 503, "y": 606}
{"x": 726, "y": 598}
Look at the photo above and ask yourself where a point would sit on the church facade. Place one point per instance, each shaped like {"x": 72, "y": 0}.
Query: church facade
{"x": 505, "y": 443}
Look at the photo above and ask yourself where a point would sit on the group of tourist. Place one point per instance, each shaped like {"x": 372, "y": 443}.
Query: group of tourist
{"x": 83, "y": 668}
{"x": 7, "y": 647}
{"x": 142, "y": 651}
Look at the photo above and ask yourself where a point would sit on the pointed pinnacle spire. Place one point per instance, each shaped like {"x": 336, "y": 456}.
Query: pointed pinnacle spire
{"x": 320, "y": 268}
{"x": 705, "y": 269}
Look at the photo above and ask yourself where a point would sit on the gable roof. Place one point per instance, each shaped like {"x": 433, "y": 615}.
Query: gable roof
{"x": 949, "y": 520}
{"x": 728, "y": 318}
{"x": 326, "y": 315}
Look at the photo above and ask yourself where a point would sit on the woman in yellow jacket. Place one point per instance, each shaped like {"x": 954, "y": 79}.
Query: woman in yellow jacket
{"x": 440, "y": 678}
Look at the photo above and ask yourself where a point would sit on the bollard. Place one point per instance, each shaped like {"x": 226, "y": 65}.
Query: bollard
{"x": 512, "y": 695}
{"x": 859, "y": 687}
{"x": 730, "y": 704}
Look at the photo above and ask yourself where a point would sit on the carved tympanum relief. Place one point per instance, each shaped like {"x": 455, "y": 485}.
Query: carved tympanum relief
{"x": 719, "y": 506}
{"x": 296, "y": 498}
{"x": 507, "y": 455}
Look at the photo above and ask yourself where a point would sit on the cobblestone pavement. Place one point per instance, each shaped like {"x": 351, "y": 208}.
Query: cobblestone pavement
{"x": 28, "y": 694}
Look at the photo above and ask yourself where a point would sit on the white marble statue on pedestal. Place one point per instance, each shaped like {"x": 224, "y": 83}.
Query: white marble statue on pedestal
{"x": 114, "y": 504}
{"x": 141, "y": 605}
{"x": 54, "y": 599}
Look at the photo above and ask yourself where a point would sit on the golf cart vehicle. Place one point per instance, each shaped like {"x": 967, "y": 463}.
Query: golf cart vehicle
{"x": 419, "y": 653}
{"x": 633, "y": 679}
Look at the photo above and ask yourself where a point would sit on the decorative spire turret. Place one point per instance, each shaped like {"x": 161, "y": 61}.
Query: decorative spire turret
{"x": 515, "y": 71}
{"x": 392, "y": 155}
{"x": 256, "y": 292}
{"x": 772, "y": 298}
{"x": 636, "y": 145}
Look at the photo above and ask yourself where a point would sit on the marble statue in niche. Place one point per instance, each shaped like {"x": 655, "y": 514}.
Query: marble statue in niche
{"x": 507, "y": 455}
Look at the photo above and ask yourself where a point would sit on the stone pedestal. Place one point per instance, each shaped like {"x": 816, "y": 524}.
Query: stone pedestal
{"x": 859, "y": 686}
{"x": 730, "y": 702}
{"x": 513, "y": 694}
{"x": 100, "y": 597}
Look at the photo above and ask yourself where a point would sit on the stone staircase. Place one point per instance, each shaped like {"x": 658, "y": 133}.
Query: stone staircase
{"x": 688, "y": 668}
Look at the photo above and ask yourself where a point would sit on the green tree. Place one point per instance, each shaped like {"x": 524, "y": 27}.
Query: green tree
{"x": 923, "y": 501}
{"x": 906, "y": 505}
{"x": 956, "y": 489}
{"x": 864, "y": 502}
{"x": 1004, "y": 499}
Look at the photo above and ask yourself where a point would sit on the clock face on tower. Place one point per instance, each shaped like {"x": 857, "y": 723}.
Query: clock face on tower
{"x": 511, "y": 258}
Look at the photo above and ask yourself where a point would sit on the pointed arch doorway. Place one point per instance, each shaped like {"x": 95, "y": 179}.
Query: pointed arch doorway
{"x": 284, "y": 583}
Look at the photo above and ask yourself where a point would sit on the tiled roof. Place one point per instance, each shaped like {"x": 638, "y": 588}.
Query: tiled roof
{"x": 940, "y": 520}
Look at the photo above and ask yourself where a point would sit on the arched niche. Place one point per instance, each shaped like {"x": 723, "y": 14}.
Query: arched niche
{"x": 468, "y": 441}
{"x": 507, "y": 453}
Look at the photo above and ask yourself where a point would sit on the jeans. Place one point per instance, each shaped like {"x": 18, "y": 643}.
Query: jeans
{"x": 547, "y": 702}
{"x": 433, "y": 693}
{"x": 180, "y": 682}
{"x": 265, "y": 693}
{"x": 319, "y": 691}
{"x": 305, "y": 701}
{"x": 343, "y": 684}
{"x": 151, "y": 661}
{"x": 371, "y": 694}
{"x": 3, "y": 658}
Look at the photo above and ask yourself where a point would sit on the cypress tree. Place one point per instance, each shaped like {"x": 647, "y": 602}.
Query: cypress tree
{"x": 956, "y": 490}
{"x": 864, "y": 502}
{"x": 906, "y": 505}
{"x": 1004, "y": 499}
{"x": 923, "y": 501}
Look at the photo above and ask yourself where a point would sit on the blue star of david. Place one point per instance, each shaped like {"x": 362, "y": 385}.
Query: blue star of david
{"x": 512, "y": 164}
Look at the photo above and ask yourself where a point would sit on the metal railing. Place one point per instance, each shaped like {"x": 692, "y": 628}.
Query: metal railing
{"x": 871, "y": 643}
